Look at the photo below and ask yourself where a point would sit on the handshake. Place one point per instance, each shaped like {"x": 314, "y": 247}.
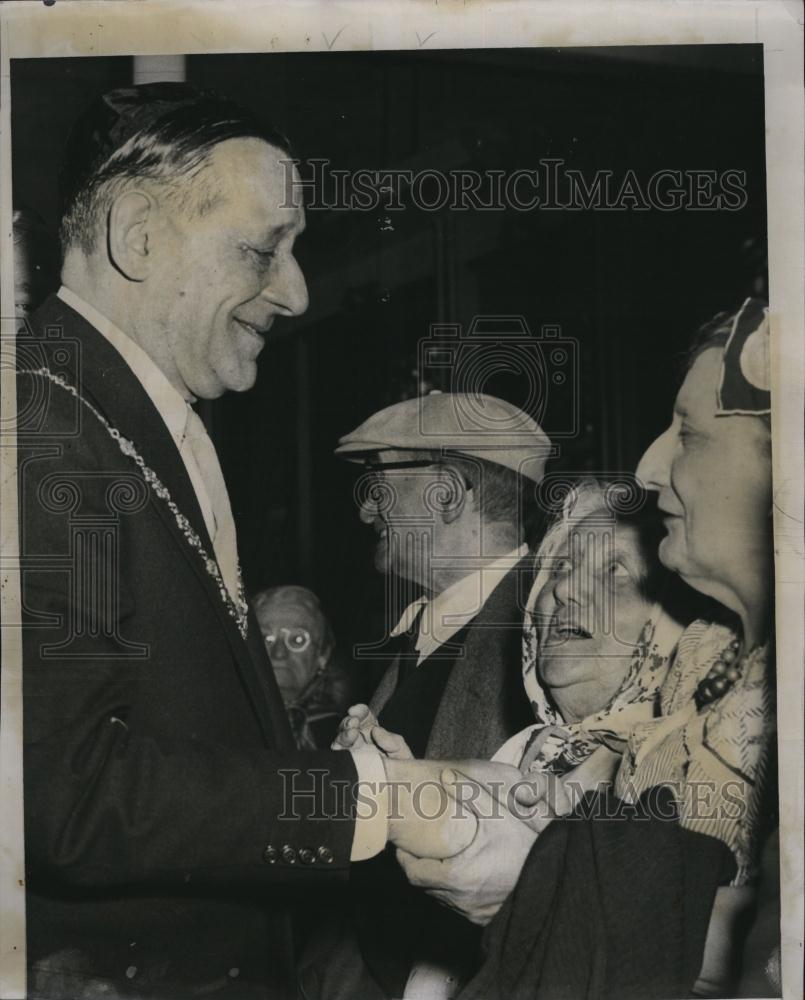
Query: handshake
{"x": 462, "y": 829}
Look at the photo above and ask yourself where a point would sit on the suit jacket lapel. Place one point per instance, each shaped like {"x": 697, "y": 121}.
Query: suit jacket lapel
{"x": 468, "y": 723}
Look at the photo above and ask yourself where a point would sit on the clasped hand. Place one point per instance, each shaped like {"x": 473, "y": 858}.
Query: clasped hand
{"x": 462, "y": 829}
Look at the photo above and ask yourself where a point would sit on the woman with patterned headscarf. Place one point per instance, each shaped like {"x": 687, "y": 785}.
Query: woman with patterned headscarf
{"x": 602, "y": 621}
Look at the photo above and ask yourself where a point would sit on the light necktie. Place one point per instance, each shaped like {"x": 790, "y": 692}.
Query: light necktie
{"x": 223, "y": 535}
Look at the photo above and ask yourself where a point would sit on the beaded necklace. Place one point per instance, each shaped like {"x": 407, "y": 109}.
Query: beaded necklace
{"x": 724, "y": 672}
{"x": 236, "y": 607}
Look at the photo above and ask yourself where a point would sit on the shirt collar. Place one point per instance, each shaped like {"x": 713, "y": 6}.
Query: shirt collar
{"x": 408, "y": 616}
{"x": 170, "y": 403}
{"x": 448, "y": 612}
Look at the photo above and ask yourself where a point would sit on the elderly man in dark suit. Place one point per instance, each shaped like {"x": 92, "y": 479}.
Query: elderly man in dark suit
{"x": 447, "y": 489}
{"x": 166, "y": 806}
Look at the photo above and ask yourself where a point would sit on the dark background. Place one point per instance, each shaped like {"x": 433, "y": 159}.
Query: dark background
{"x": 628, "y": 287}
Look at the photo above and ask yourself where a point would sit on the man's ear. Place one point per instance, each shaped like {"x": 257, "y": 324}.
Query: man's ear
{"x": 131, "y": 219}
{"x": 457, "y": 494}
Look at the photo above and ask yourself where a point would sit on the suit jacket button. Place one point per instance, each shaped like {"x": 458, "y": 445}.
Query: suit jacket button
{"x": 306, "y": 855}
{"x": 289, "y": 855}
{"x": 270, "y": 855}
{"x": 325, "y": 855}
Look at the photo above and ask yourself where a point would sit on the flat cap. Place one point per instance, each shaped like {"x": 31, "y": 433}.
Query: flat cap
{"x": 462, "y": 423}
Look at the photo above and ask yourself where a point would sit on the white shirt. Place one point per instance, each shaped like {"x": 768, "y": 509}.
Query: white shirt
{"x": 447, "y": 613}
{"x": 371, "y": 826}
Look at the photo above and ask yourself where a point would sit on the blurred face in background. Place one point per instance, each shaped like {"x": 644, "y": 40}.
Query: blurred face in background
{"x": 591, "y": 613}
{"x": 293, "y": 631}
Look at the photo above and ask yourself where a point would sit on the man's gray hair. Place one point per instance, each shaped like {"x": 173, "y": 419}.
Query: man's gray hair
{"x": 159, "y": 134}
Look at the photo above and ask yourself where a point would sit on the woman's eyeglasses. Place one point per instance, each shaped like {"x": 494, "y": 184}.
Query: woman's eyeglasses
{"x": 295, "y": 640}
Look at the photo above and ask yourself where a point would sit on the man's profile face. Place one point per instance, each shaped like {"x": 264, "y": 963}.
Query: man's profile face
{"x": 223, "y": 276}
{"x": 403, "y": 502}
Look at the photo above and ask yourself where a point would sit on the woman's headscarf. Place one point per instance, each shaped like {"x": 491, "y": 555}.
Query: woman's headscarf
{"x": 553, "y": 744}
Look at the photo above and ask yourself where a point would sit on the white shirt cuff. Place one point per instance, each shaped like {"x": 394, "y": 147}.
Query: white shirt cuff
{"x": 372, "y": 805}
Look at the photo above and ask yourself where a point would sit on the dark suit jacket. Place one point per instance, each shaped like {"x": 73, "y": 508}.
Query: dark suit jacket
{"x": 161, "y": 841}
{"x": 483, "y": 704}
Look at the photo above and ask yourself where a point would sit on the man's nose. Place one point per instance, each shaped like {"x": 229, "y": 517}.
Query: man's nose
{"x": 652, "y": 469}
{"x": 367, "y": 511}
{"x": 287, "y": 288}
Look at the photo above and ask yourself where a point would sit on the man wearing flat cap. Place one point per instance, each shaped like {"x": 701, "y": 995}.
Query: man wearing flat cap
{"x": 447, "y": 483}
{"x": 161, "y": 832}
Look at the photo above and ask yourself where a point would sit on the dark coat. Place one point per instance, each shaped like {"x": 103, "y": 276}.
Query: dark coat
{"x": 612, "y": 907}
{"x": 484, "y": 702}
{"x": 157, "y": 752}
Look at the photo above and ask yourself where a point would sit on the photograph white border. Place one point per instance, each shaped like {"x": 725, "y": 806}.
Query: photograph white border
{"x": 29, "y": 28}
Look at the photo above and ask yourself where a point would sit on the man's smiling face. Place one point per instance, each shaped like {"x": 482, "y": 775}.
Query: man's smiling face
{"x": 227, "y": 273}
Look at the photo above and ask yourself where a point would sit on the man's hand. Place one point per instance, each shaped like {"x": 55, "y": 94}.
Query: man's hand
{"x": 478, "y": 880}
{"x": 355, "y": 729}
{"x": 424, "y": 818}
{"x": 391, "y": 744}
{"x": 429, "y": 820}
{"x": 359, "y": 727}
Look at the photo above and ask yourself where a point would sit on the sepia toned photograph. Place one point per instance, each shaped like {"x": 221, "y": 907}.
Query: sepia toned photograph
{"x": 402, "y": 504}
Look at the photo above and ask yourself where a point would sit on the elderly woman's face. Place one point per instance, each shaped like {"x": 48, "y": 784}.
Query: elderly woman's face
{"x": 292, "y": 633}
{"x": 713, "y": 474}
{"x": 592, "y": 611}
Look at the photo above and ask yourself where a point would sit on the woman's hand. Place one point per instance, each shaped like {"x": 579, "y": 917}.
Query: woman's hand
{"x": 538, "y": 805}
{"x": 724, "y": 939}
